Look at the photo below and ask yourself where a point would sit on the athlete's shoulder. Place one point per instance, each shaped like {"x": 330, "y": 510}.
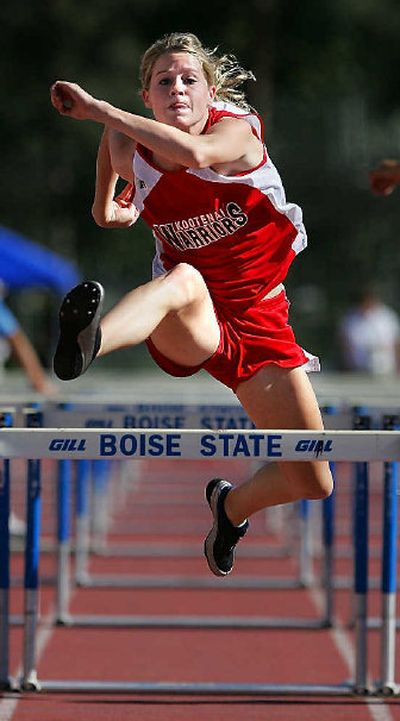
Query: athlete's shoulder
{"x": 222, "y": 109}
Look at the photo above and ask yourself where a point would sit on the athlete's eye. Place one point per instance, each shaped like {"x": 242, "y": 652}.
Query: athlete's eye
{"x": 190, "y": 81}
{"x": 164, "y": 81}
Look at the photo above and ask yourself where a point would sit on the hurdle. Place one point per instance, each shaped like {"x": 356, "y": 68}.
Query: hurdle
{"x": 360, "y": 446}
{"x": 111, "y": 413}
{"x": 63, "y": 617}
{"x": 97, "y": 414}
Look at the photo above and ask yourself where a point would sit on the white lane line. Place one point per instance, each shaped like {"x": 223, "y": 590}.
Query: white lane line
{"x": 9, "y": 703}
{"x": 377, "y": 707}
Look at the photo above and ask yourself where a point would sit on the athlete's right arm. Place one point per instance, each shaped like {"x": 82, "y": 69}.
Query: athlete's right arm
{"x": 112, "y": 164}
{"x": 226, "y": 142}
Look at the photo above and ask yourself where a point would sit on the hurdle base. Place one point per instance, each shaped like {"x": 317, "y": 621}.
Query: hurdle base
{"x": 197, "y": 582}
{"x": 364, "y": 690}
{"x": 389, "y": 688}
{"x": 209, "y": 622}
{"x": 159, "y": 550}
{"x": 196, "y": 689}
{"x": 30, "y": 682}
{"x": 64, "y": 620}
{"x": 8, "y": 685}
{"x": 82, "y": 579}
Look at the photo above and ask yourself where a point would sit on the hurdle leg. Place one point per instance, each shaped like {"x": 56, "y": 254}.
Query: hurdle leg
{"x": 361, "y": 421}
{"x": 328, "y": 537}
{"x": 389, "y": 571}
{"x": 29, "y": 681}
{"x": 31, "y": 577}
{"x": 361, "y": 577}
{"x": 305, "y": 545}
{"x": 100, "y": 473}
{"x": 63, "y": 541}
{"x": 5, "y": 683}
{"x": 82, "y": 521}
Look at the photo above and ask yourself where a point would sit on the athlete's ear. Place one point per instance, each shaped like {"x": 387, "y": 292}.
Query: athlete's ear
{"x": 211, "y": 92}
{"x": 145, "y": 98}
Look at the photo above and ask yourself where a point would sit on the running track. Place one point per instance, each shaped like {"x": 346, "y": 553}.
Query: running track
{"x": 167, "y": 507}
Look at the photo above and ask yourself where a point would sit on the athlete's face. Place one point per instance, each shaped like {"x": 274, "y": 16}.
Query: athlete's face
{"x": 178, "y": 93}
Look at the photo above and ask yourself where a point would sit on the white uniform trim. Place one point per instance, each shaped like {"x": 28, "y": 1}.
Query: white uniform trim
{"x": 252, "y": 118}
{"x": 146, "y": 177}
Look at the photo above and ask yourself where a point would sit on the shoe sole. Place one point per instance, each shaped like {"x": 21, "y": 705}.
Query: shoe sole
{"x": 210, "y": 539}
{"x": 79, "y": 316}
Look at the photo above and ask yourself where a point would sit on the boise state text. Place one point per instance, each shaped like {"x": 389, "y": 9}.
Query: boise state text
{"x": 224, "y": 444}
{"x": 221, "y": 445}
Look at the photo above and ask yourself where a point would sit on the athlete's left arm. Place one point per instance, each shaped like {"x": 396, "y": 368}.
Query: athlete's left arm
{"x": 106, "y": 211}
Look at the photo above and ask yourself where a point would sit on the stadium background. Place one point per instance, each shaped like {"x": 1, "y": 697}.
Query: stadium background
{"x": 326, "y": 87}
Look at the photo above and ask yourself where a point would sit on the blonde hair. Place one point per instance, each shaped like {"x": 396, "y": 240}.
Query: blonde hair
{"x": 223, "y": 71}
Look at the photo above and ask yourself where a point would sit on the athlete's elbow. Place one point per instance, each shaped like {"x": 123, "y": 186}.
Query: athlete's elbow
{"x": 99, "y": 217}
{"x": 199, "y": 158}
{"x": 103, "y": 219}
{"x": 201, "y": 161}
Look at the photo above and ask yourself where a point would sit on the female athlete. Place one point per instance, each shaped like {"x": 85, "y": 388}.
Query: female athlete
{"x": 200, "y": 176}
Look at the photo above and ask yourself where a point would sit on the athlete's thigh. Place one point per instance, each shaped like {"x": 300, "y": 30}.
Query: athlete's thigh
{"x": 190, "y": 336}
{"x": 284, "y": 398}
{"x": 280, "y": 398}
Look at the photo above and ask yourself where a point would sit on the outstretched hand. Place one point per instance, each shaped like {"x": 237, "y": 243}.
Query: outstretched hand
{"x": 71, "y": 100}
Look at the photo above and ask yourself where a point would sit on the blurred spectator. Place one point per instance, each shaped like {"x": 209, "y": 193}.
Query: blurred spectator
{"x": 13, "y": 341}
{"x": 385, "y": 177}
{"x": 370, "y": 336}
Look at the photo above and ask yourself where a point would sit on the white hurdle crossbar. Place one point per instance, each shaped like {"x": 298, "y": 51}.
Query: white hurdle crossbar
{"x": 192, "y": 444}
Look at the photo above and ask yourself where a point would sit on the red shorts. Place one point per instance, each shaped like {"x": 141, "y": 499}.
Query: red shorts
{"x": 250, "y": 340}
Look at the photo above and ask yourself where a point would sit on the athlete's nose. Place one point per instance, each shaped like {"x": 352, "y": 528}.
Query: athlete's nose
{"x": 177, "y": 86}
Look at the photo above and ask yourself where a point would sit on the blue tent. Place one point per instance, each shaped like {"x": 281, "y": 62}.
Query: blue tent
{"x": 25, "y": 264}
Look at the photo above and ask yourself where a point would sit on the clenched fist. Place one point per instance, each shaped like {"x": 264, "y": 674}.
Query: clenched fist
{"x": 71, "y": 100}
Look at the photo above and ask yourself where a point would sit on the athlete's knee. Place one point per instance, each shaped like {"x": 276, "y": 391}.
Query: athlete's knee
{"x": 311, "y": 481}
{"x": 320, "y": 481}
{"x": 189, "y": 284}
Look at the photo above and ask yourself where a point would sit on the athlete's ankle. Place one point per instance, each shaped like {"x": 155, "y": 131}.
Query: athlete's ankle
{"x": 232, "y": 512}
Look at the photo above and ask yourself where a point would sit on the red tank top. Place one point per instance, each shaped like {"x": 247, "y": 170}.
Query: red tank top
{"x": 238, "y": 231}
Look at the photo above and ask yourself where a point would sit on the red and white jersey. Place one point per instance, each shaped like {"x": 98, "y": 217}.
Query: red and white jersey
{"x": 238, "y": 231}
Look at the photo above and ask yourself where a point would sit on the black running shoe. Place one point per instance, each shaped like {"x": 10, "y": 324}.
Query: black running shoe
{"x": 80, "y": 333}
{"x": 219, "y": 546}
